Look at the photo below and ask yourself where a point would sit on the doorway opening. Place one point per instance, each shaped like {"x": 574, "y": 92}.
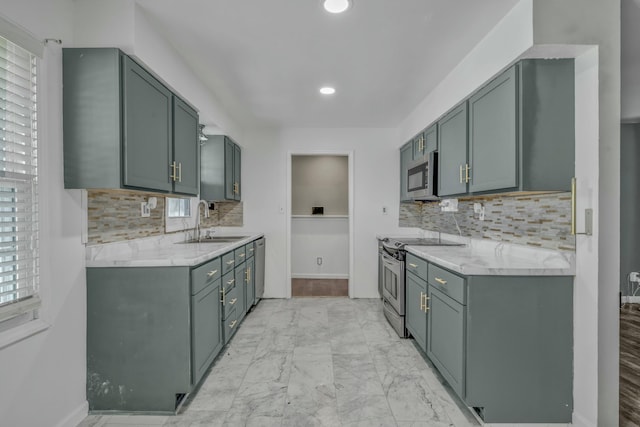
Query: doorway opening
{"x": 320, "y": 225}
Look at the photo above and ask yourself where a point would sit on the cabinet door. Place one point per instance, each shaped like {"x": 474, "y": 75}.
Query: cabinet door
{"x": 185, "y": 148}
{"x": 452, "y": 152}
{"x": 406, "y": 155}
{"x": 237, "y": 171}
{"x": 250, "y": 283}
{"x": 416, "y": 318}
{"x": 431, "y": 139}
{"x": 445, "y": 338}
{"x": 206, "y": 330}
{"x": 240, "y": 274}
{"x": 229, "y": 177}
{"x": 493, "y": 135}
{"x": 147, "y": 130}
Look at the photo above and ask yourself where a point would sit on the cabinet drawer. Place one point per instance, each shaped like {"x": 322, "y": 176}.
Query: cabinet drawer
{"x": 229, "y": 302}
{"x": 449, "y": 283}
{"x": 228, "y": 262}
{"x": 249, "y": 249}
{"x": 204, "y": 275}
{"x": 417, "y": 266}
{"x": 228, "y": 282}
{"x": 240, "y": 255}
{"x": 230, "y": 324}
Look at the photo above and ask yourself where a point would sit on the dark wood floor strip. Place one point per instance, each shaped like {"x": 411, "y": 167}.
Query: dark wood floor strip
{"x": 630, "y": 365}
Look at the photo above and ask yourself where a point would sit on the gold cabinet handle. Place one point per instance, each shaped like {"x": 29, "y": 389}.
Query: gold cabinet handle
{"x": 233, "y": 324}
{"x": 467, "y": 176}
{"x": 212, "y": 273}
{"x": 230, "y": 282}
{"x": 461, "y": 175}
{"x": 426, "y": 307}
{"x": 173, "y": 173}
{"x": 231, "y": 261}
{"x": 241, "y": 255}
{"x": 236, "y": 188}
{"x": 441, "y": 281}
{"x": 179, "y": 172}
{"x": 233, "y": 301}
{"x": 413, "y": 265}
{"x": 422, "y": 301}
{"x": 250, "y": 249}
{"x": 247, "y": 275}
{"x": 222, "y": 300}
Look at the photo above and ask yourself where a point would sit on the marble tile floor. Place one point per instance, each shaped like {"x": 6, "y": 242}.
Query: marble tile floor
{"x": 313, "y": 362}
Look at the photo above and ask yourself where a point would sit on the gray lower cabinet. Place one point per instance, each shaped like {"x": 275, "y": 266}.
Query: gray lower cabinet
{"x": 250, "y": 283}
{"x": 416, "y": 313}
{"x": 240, "y": 275}
{"x": 503, "y": 343}
{"x": 220, "y": 169}
{"x": 139, "y": 340}
{"x": 206, "y": 330}
{"x": 123, "y": 128}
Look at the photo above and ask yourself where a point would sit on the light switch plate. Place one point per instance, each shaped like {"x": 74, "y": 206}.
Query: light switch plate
{"x": 145, "y": 212}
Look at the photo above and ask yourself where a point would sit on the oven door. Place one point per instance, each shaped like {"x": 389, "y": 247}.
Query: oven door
{"x": 393, "y": 282}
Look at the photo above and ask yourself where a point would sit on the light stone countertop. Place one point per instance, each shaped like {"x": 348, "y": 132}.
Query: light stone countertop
{"x": 162, "y": 251}
{"x": 491, "y": 258}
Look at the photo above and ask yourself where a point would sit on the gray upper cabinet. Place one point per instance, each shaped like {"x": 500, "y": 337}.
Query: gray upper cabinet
{"x": 220, "y": 169}
{"x": 120, "y": 126}
{"x": 452, "y": 152}
{"x": 147, "y": 129}
{"x": 186, "y": 148}
{"x": 406, "y": 156}
{"x": 493, "y": 135}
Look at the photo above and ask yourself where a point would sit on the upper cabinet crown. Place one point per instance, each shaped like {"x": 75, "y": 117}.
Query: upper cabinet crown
{"x": 220, "y": 165}
{"x": 516, "y": 133}
{"x": 123, "y": 128}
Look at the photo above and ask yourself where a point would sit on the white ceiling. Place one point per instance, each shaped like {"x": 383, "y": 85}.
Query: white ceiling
{"x": 266, "y": 59}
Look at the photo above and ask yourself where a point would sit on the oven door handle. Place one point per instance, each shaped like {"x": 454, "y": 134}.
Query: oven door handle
{"x": 389, "y": 261}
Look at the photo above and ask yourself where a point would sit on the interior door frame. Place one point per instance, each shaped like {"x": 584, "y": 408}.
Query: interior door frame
{"x": 350, "y": 157}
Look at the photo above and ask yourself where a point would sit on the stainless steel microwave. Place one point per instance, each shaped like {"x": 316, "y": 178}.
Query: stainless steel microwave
{"x": 422, "y": 177}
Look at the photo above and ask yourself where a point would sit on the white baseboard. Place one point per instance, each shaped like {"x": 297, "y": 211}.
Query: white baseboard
{"x": 319, "y": 276}
{"x": 76, "y": 416}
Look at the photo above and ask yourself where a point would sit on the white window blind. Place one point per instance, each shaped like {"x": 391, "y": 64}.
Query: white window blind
{"x": 18, "y": 182}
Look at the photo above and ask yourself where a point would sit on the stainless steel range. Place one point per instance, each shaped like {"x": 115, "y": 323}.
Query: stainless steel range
{"x": 392, "y": 276}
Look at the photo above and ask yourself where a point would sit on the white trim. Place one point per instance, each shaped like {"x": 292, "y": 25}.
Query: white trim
{"x": 76, "y": 416}
{"x": 289, "y": 159}
{"x": 579, "y": 420}
{"x": 22, "y": 332}
{"x": 319, "y": 276}
{"x": 23, "y": 38}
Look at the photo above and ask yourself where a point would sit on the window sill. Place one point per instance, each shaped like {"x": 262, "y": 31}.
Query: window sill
{"x": 22, "y": 332}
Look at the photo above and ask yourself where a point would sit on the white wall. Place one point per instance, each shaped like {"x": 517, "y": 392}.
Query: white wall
{"x": 376, "y": 172}
{"x": 320, "y": 181}
{"x": 327, "y": 238}
{"x": 43, "y": 377}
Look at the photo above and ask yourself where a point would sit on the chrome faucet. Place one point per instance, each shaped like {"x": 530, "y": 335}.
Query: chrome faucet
{"x": 206, "y": 215}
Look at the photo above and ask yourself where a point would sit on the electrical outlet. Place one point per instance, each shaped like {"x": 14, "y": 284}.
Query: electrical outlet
{"x": 634, "y": 276}
{"x": 449, "y": 205}
{"x": 385, "y": 210}
{"x": 145, "y": 210}
{"x": 319, "y": 260}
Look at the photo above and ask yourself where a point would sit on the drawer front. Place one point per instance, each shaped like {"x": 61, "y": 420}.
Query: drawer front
{"x": 229, "y": 302}
{"x": 230, "y": 325}
{"x": 240, "y": 255}
{"x": 417, "y": 266}
{"x": 449, "y": 283}
{"x": 204, "y": 275}
{"x": 228, "y": 262}
{"x": 228, "y": 282}
{"x": 249, "y": 249}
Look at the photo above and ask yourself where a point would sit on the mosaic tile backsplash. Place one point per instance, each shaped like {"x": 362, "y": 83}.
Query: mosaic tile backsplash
{"x": 114, "y": 216}
{"x": 541, "y": 220}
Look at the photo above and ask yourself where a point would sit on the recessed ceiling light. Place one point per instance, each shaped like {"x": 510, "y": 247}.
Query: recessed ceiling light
{"x": 327, "y": 90}
{"x": 336, "y": 6}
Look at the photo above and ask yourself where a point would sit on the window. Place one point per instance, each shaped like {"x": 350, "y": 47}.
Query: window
{"x": 18, "y": 183}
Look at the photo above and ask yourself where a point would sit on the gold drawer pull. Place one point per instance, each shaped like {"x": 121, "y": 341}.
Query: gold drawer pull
{"x": 222, "y": 300}
{"x": 422, "y": 301}
{"x": 441, "y": 281}
{"x": 231, "y": 261}
{"x": 241, "y": 255}
{"x": 413, "y": 265}
{"x": 233, "y": 324}
{"x": 212, "y": 273}
{"x": 230, "y": 282}
{"x": 233, "y": 301}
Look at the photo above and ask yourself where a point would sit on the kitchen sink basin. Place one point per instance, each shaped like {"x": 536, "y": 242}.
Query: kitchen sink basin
{"x": 217, "y": 239}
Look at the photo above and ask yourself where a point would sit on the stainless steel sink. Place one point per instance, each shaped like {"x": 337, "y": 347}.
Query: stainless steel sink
{"x": 217, "y": 239}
